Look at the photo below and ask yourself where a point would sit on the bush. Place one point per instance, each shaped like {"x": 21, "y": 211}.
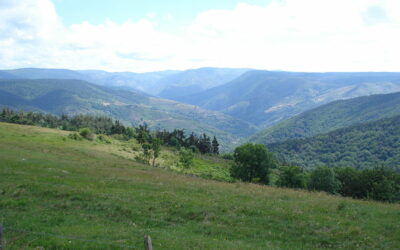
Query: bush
{"x": 227, "y": 156}
{"x": 87, "y": 134}
{"x": 103, "y": 138}
{"x": 186, "y": 158}
{"x": 75, "y": 136}
{"x": 324, "y": 179}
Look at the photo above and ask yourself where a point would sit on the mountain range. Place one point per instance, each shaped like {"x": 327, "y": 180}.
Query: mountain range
{"x": 267, "y": 97}
{"x": 167, "y": 84}
{"x": 232, "y": 104}
{"x": 68, "y": 96}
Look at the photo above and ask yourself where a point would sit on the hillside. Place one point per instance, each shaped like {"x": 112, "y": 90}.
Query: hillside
{"x": 331, "y": 116}
{"x": 364, "y": 145}
{"x": 267, "y": 97}
{"x": 60, "y": 96}
{"x": 61, "y": 193}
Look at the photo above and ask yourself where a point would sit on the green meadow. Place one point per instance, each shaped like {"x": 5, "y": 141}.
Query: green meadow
{"x": 60, "y": 193}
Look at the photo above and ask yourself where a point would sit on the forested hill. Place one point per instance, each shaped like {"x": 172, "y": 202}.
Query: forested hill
{"x": 267, "y": 97}
{"x": 331, "y": 116}
{"x": 364, "y": 145}
{"x": 60, "y": 96}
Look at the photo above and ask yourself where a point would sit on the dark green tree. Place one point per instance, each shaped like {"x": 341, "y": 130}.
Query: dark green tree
{"x": 156, "y": 148}
{"x": 143, "y": 134}
{"x": 215, "y": 146}
{"x": 324, "y": 179}
{"x": 252, "y": 163}
{"x": 350, "y": 182}
{"x": 291, "y": 177}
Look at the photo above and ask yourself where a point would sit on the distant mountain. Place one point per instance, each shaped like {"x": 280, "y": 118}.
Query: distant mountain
{"x": 331, "y": 116}
{"x": 363, "y": 145}
{"x": 38, "y": 73}
{"x": 146, "y": 82}
{"x": 61, "y": 96}
{"x": 169, "y": 84}
{"x": 267, "y": 97}
{"x": 193, "y": 81}
{"x": 6, "y": 75}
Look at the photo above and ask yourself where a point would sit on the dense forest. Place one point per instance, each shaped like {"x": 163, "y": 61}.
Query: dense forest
{"x": 331, "y": 116}
{"x": 361, "y": 146}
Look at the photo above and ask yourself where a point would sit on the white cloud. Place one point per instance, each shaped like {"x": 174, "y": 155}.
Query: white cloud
{"x": 308, "y": 35}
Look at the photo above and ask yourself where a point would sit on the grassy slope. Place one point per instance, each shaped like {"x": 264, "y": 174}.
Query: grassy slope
{"x": 93, "y": 191}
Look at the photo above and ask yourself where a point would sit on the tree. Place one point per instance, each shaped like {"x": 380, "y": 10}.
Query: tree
{"x": 381, "y": 183}
{"x": 186, "y": 157}
{"x": 350, "y": 182}
{"x": 252, "y": 162}
{"x": 324, "y": 179}
{"x": 146, "y": 152}
{"x": 292, "y": 177}
{"x": 143, "y": 134}
{"x": 156, "y": 148}
{"x": 204, "y": 144}
{"x": 215, "y": 146}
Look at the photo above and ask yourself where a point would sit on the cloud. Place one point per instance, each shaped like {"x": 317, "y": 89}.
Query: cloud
{"x": 308, "y": 35}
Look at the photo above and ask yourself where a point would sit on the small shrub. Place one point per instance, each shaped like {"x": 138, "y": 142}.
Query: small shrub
{"x": 341, "y": 206}
{"x": 75, "y": 136}
{"x": 136, "y": 147}
{"x": 142, "y": 159}
{"x": 103, "y": 138}
{"x": 87, "y": 134}
{"x": 227, "y": 156}
{"x": 186, "y": 158}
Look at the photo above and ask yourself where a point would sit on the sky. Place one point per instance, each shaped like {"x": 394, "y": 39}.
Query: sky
{"x": 153, "y": 35}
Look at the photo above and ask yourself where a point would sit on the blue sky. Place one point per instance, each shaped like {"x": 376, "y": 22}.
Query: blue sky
{"x": 171, "y": 14}
{"x": 141, "y": 36}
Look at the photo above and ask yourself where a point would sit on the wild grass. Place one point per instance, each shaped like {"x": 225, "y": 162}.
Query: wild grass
{"x": 56, "y": 186}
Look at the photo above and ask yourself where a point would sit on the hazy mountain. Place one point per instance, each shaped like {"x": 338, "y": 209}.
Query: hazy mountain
{"x": 146, "y": 82}
{"x": 363, "y": 145}
{"x": 6, "y": 75}
{"x": 60, "y": 96}
{"x": 267, "y": 97}
{"x": 168, "y": 84}
{"x": 195, "y": 80}
{"x": 331, "y": 116}
{"x": 38, "y": 73}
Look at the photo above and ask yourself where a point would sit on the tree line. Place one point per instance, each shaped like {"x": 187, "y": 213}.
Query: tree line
{"x": 89, "y": 124}
{"x": 253, "y": 163}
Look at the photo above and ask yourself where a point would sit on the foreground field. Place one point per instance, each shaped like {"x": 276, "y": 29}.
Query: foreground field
{"x": 58, "y": 193}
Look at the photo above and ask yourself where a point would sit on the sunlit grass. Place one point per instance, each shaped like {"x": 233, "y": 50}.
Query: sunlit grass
{"x": 96, "y": 191}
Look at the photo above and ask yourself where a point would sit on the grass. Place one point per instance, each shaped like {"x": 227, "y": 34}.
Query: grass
{"x": 56, "y": 186}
